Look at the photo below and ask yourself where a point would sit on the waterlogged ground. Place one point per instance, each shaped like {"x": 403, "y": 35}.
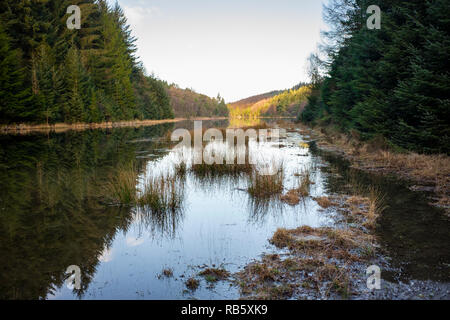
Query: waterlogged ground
{"x": 53, "y": 215}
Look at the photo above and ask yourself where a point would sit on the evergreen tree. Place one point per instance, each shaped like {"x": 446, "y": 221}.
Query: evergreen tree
{"x": 391, "y": 82}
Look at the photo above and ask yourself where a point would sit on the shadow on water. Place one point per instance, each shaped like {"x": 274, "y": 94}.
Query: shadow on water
{"x": 413, "y": 234}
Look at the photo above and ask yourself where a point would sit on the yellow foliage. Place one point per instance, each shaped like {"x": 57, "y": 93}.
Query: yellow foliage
{"x": 284, "y": 99}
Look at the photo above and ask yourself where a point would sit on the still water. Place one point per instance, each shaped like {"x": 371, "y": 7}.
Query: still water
{"x": 53, "y": 215}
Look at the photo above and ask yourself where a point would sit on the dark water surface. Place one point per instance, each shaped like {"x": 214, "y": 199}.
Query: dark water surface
{"x": 52, "y": 216}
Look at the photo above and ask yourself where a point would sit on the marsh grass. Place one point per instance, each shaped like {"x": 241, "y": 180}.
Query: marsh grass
{"x": 377, "y": 205}
{"x": 378, "y": 155}
{"x": 293, "y": 196}
{"x": 324, "y": 202}
{"x": 167, "y": 272}
{"x": 367, "y": 201}
{"x": 120, "y": 187}
{"x": 192, "y": 284}
{"x": 214, "y": 274}
{"x": 266, "y": 186}
{"x": 305, "y": 183}
{"x": 161, "y": 194}
{"x": 180, "y": 169}
{"x": 158, "y": 194}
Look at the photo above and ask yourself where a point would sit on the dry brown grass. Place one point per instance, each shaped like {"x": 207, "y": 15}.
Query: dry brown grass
{"x": 266, "y": 186}
{"x": 192, "y": 284}
{"x": 366, "y": 209}
{"x": 423, "y": 169}
{"x": 329, "y": 242}
{"x": 293, "y": 196}
{"x": 167, "y": 272}
{"x": 318, "y": 260}
{"x": 324, "y": 202}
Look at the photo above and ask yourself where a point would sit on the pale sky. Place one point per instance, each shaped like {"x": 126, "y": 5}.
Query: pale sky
{"x": 237, "y": 48}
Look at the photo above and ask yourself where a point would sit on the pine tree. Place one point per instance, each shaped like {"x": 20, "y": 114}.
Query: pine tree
{"x": 76, "y": 83}
{"x": 15, "y": 96}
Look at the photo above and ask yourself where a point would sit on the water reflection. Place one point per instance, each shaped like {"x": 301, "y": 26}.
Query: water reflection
{"x": 53, "y": 214}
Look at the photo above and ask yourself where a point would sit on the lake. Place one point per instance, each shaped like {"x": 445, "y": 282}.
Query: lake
{"x": 53, "y": 215}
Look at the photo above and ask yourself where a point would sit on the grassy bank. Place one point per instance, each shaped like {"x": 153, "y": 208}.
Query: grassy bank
{"x": 425, "y": 172}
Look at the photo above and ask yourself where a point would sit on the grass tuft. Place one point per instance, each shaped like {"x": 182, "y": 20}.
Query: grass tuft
{"x": 266, "y": 186}
{"x": 192, "y": 284}
{"x": 213, "y": 274}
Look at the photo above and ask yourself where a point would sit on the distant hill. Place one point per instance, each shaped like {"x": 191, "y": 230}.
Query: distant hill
{"x": 275, "y": 103}
{"x": 187, "y": 103}
{"x": 247, "y": 102}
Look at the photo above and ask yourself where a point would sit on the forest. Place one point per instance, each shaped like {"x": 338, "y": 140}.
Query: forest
{"x": 187, "y": 103}
{"x": 390, "y": 83}
{"x": 277, "y": 103}
{"x": 50, "y": 73}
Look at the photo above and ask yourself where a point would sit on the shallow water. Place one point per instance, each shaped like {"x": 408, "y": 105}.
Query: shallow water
{"x": 51, "y": 218}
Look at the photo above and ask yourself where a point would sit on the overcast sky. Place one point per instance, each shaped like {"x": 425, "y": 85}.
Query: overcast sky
{"x": 237, "y": 48}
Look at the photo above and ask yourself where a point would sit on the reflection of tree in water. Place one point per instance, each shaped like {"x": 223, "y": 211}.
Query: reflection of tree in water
{"x": 50, "y": 212}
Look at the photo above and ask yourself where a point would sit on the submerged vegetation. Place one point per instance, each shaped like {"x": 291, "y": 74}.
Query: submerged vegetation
{"x": 161, "y": 194}
{"x": 293, "y": 196}
{"x": 158, "y": 193}
{"x": 192, "y": 284}
{"x": 214, "y": 274}
{"x": 319, "y": 264}
{"x": 424, "y": 171}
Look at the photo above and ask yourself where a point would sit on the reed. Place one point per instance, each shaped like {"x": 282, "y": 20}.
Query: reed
{"x": 266, "y": 186}
{"x": 161, "y": 194}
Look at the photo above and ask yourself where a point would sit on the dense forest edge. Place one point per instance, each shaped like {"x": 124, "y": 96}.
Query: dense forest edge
{"x": 52, "y": 74}
{"x": 390, "y": 84}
